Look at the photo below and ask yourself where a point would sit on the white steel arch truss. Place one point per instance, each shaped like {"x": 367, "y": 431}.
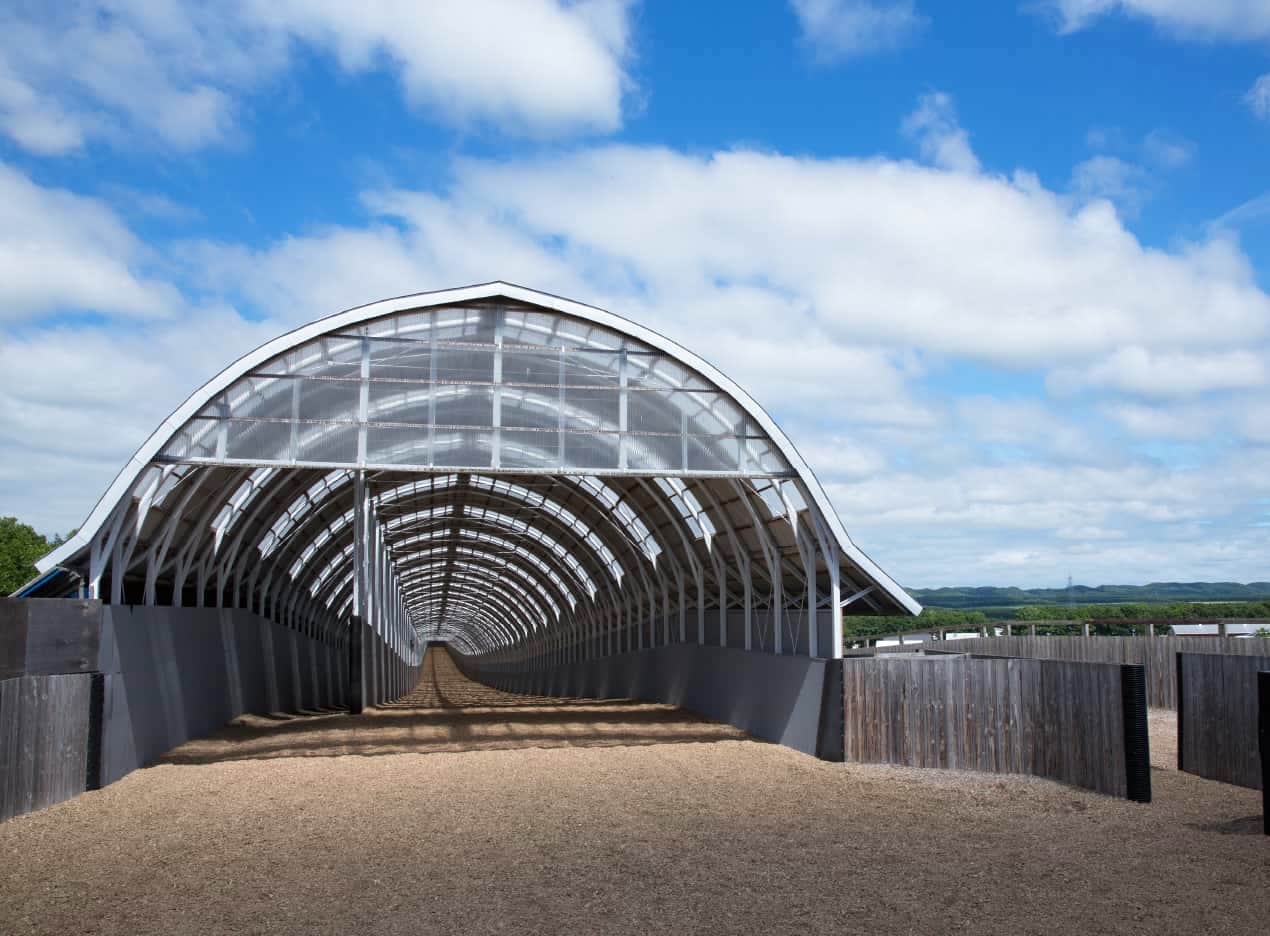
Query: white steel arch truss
{"x": 602, "y": 488}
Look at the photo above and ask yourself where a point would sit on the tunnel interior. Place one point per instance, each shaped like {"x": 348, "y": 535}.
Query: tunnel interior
{"x": 530, "y": 480}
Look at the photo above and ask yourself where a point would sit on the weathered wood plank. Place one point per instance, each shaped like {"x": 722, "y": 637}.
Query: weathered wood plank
{"x": 1054, "y": 718}
{"x": 43, "y": 740}
{"x": 1218, "y": 717}
{"x": 1156, "y": 654}
{"x": 12, "y": 639}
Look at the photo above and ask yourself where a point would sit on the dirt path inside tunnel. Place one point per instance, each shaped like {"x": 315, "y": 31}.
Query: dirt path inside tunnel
{"x": 463, "y": 809}
{"x": 448, "y": 712}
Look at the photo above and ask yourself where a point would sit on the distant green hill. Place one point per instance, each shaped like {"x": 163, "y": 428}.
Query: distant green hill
{"x": 991, "y": 599}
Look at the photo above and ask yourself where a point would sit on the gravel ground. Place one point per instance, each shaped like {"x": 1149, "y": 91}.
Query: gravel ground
{"x": 463, "y": 809}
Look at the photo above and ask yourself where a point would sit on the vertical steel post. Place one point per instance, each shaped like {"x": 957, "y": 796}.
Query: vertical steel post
{"x": 623, "y": 412}
{"x": 357, "y": 621}
{"x": 496, "y": 453}
{"x": 1263, "y": 737}
{"x": 356, "y": 687}
{"x": 835, "y": 602}
{"x": 723, "y": 603}
{"x": 363, "y": 402}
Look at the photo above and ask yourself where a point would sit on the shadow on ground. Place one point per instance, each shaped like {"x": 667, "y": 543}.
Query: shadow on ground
{"x": 1245, "y": 825}
{"x": 447, "y": 712}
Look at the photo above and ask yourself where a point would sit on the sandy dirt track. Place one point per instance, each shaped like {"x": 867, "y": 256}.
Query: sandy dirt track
{"x": 462, "y": 809}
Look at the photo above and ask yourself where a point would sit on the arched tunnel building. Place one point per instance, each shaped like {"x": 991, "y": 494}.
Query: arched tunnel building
{"x": 571, "y": 502}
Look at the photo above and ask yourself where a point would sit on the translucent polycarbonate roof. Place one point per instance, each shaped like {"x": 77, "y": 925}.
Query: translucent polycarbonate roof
{"x": 488, "y": 385}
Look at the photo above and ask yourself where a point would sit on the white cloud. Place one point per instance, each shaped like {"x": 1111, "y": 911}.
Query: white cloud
{"x": 878, "y": 252}
{"x": 1131, "y": 522}
{"x": 1258, "y": 97}
{"x": 829, "y": 288}
{"x": 837, "y": 456}
{"x": 1089, "y": 555}
{"x": 843, "y": 29}
{"x": 878, "y": 261}
{"x": 172, "y": 71}
{"x": 845, "y": 294}
{"x": 1168, "y": 150}
{"x": 1037, "y": 497}
{"x": 137, "y": 202}
{"x": 61, "y": 251}
{"x": 1187, "y": 19}
{"x": 1113, "y": 179}
{"x": 537, "y": 66}
{"x": 1174, "y": 421}
{"x": 77, "y": 402}
{"x": 1128, "y": 173}
{"x": 36, "y": 122}
{"x": 1250, "y": 212}
{"x": 84, "y": 70}
{"x": 1165, "y": 374}
{"x": 1025, "y": 424}
{"x": 1252, "y": 419}
{"x": 943, "y": 141}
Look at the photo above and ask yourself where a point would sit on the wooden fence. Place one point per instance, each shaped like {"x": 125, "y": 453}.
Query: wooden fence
{"x": 1079, "y": 723}
{"x": 46, "y": 732}
{"x": 1156, "y": 654}
{"x": 1218, "y": 717}
{"x": 911, "y": 647}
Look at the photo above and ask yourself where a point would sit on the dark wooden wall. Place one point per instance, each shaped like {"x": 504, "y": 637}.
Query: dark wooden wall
{"x": 1156, "y": 654}
{"x": 90, "y": 692}
{"x": 47, "y": 636}
{"x": 44, "y": 740}
{"x": 1062, "y": 720}
{"x": 1217, "y": 718}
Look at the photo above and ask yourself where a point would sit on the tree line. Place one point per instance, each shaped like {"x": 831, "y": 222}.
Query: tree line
{"x": 1112, "y": 619}
{"x": 20, "y": 547}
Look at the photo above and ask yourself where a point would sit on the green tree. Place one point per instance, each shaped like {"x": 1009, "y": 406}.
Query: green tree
{"x": 857, "y": 627}
{"x": 20, "y": 546}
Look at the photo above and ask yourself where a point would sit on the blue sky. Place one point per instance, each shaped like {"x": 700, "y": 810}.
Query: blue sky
{"x": 1000, "y": 269}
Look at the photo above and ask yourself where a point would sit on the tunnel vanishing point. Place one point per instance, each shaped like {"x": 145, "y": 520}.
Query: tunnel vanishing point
{"x": 572, "y": 503}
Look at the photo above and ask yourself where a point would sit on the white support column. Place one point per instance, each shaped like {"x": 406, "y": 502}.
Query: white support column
{"x": 103, "y": 548}
{"x": 835, "y": 604}
{"x": 623, "y": 399}
{"x": 644, "y": 622}
{"x": 497, "y": 444}
{"x": 772, "y": 557}
{"x": 359, "y": 544}
{"x": 722, "y": 573}
{"x": 683, "y": 612}
{"x": 116, "y": 571}
{"x": 807, "y": 552}
{"x": 201, "y": 578}
{"x": 363, "y": 402}
{"x": 377, "y": 573}
{"x": 222, "y": 428}
{"x": 829, "y": 549}
{"x": 432, "y": 394}
{"x": 293, "y": 447}
{"x": 138, "y": 522}
{"x": 701, "y": 606}
{"x": 560, "y": 407}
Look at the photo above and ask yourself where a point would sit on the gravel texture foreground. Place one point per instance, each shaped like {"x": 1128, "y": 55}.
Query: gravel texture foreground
{"x": 462, "y": 809}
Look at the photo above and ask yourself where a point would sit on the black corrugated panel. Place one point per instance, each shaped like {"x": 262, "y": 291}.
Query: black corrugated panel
{"x": 96, "y": 712}
{"x": 830, "y": 743}
{"x": 1137, "y": 752}
{"x": 1263, "y": 738}
{"x": 356, "y": 700}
